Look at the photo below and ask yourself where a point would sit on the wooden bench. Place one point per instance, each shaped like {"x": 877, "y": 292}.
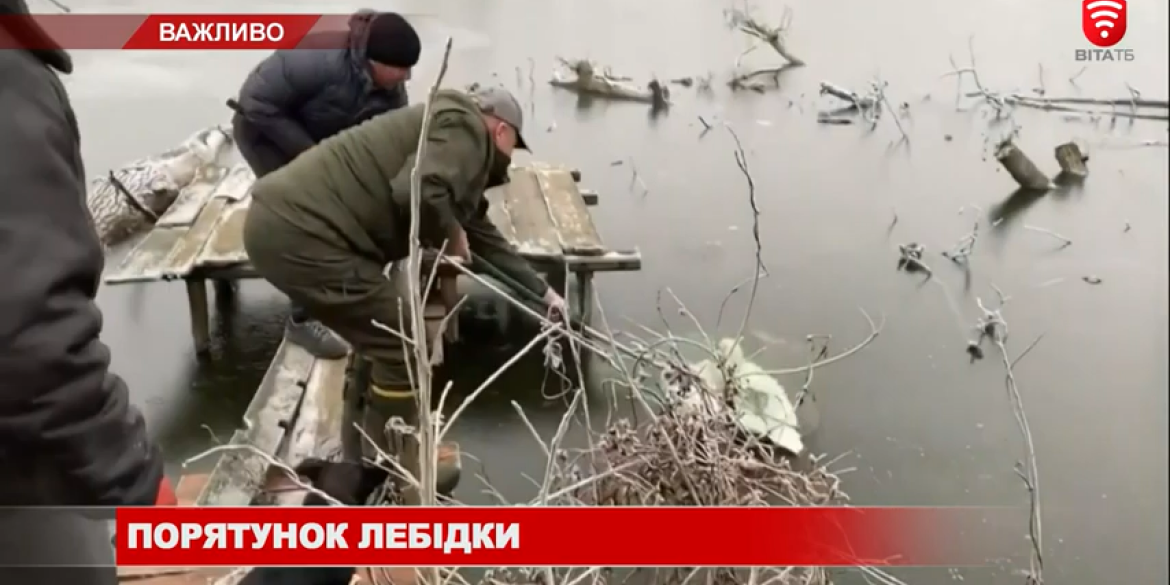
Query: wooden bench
{"x": 541, "y": 211}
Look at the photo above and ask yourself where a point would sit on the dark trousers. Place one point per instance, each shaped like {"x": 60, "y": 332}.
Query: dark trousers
{"x": 342, "y": 290}
{"x": 263, "y": 156}
{"x": 347, "y": 293}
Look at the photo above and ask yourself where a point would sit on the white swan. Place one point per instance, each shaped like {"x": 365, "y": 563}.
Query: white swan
{"x": 761, "y": 403}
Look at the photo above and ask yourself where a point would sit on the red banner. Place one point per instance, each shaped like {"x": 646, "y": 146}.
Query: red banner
{"x": 515, "y": 536}
{"x": 177, "y": 31}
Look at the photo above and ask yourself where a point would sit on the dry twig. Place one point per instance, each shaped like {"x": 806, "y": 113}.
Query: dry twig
{"x": 992, "y": 326}
{"x": 759, "y": 270}
{"x": 427, "y": 456}
{"x": 1064, "y": 242}
{"x": 910, "y": 258}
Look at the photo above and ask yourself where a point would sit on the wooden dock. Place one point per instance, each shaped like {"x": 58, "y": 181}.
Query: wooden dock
{"x": 541, "y": 211}
{"x": 297, "y": 411}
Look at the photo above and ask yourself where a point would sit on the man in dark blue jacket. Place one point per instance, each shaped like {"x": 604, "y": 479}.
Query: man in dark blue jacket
{"x": 69, "y": 435}
{"x": 296, "y": 98}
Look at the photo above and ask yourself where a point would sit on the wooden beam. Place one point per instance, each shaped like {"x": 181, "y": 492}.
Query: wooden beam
{"x": 613, "y": 261}
{"x": 590, "y": 197}
{"x": 585, "y": 297}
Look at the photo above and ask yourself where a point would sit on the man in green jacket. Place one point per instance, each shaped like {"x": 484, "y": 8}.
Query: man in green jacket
{"x": 322, "y": 228}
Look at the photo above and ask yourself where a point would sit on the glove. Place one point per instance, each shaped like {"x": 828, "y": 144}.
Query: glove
{"x": 166, "y": 494}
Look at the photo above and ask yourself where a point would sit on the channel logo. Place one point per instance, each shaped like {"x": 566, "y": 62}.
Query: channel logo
{"x": 1103, "y": 21}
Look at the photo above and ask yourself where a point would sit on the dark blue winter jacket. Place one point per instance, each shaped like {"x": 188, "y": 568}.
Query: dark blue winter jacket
{"x": 296, "y": 98}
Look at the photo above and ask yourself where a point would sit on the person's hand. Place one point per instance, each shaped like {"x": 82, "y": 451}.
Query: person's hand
{"x": 166, "y": 494}
{"x": 459, "y": 247}
{"x": 557, "y": 308}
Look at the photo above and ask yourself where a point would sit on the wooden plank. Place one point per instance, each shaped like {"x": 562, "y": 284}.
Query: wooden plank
{"x": 185, "y": 256}
{"x": 566, "y": 207}
{"x": 317, "y": 431}
{"x": 538, "y": 164}
{"x": 187, "y": 206}
{"x": 171, "y": 252}
{"x": 318, "y": 428}
{"x": 498, "y": 213}
{"x": 611, "y": 261}
{"x": 239, "y": 474}
{"x": 237, "y": 184}
{"x": 225, "y": 246}
{"x": 535, "y": 232}
{"x": 143, "y": 262}
{"x": 332, "y": 405}
{"x": 301, "y": 445}
{"x": 181, "y": 260}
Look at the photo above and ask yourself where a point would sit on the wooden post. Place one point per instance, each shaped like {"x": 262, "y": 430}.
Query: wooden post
{"x": 197, "y": 305}
{"x": 585, "y": 297}
{"x": 1071, "y": 161}
{"x": 225, "y": 288}
{"x": 558, "y": 279}
{"x": 589, "y": 196}
{"x": 1025, "y": 172}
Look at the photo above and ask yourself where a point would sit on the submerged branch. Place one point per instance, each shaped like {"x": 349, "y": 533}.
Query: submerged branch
{"x": 762, "y": 34}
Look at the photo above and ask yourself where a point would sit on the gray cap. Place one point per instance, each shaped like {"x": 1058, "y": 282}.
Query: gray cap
{"x": 499, "y": 102}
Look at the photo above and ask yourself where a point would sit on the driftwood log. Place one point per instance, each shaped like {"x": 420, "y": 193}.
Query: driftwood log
{"x": 130, "y": 199}
{"x": 587, "y": 80}
{"x": 855, "y": 100}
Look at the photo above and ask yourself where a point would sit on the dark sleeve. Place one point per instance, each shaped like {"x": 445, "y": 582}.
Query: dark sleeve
{"x": 276, "y": 89}
{"x": 453, "y": 156}
{"x": 57, "y": 396}
{"x": 488, "y": 243}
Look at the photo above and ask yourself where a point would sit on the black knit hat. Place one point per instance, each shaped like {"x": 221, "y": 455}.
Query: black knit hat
{"x": 392, "y": 41}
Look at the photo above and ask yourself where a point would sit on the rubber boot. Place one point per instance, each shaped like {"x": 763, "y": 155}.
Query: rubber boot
{"x": 383, "y": 405}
